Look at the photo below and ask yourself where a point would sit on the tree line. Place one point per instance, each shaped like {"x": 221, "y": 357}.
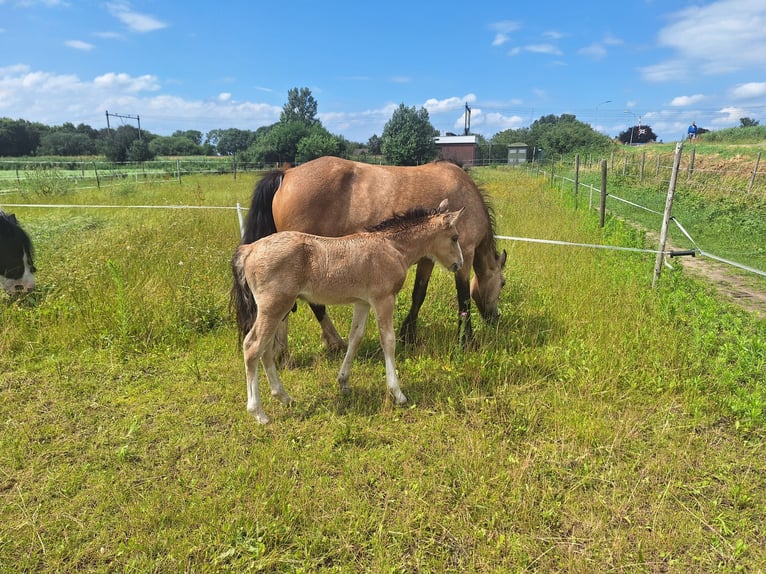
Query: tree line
{"x": 299, "y": 136}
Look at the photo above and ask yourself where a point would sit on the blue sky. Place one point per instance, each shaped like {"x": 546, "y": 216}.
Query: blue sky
{"x": 206, "y": 65}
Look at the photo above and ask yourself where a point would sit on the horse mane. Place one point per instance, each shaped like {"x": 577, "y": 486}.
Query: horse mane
{"x": 403, "y": 220}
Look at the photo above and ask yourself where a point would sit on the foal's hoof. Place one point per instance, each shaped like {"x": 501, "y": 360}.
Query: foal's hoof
{"x": 399, "y": 398}
{"x": 261, "y": 417}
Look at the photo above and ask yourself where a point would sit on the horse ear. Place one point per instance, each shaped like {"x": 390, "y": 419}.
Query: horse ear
{"x": 443, "y": 206}
{"x": 453, "y": 216}
{"x": 503, "y": 257}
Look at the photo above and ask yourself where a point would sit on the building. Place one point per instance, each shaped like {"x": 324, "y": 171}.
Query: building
{"x": 460, "y": 149}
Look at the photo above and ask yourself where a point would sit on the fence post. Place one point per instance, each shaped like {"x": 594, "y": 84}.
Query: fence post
{"x": 643, "y": 163}
{"x": 602, "y": 214}
{"x": 178, "y": 170}
{"x": 666, "y": 216}
{"x": 691, "y": 164}
{"x": 577, "y": 178}
{"x": 657, "y": 168}
{"x": 755, "y": 172}
{"x": 95, "y": 171}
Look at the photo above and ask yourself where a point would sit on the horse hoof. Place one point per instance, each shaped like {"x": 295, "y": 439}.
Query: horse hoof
{"x": 400, "y": 399}
{"x": 261, "y": 418}
{"x": 283, "y": 398}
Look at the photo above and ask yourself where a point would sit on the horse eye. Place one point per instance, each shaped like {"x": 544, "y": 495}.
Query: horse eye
{"x": 454, "y": 238}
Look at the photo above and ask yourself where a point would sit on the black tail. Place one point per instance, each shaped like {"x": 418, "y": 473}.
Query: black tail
{"x": 259, "y": 223}
{"x": 242, "y": 300}
{"x": 260, "y": 219}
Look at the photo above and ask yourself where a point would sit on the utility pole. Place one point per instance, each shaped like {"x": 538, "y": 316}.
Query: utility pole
{"x": 126, "y": 117}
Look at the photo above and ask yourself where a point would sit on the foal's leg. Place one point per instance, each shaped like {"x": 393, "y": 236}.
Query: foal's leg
{"x": 257, "y": 343}
{"x": 358, "y": 324}
{"x": 408, "y": 330}
{"x": 275, "y": 382}
{"x": 330, "y": 337}
{"x": 384, "y": 314}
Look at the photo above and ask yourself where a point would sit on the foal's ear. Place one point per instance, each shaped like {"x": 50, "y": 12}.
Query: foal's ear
{"x": 453, "y": 216}
{"x": 443, "y": 206}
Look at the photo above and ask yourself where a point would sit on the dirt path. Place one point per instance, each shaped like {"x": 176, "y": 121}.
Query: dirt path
{"x": 731, "y": 286}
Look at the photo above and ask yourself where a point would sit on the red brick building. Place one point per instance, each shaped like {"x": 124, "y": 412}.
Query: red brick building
{"x": 460, "y": 149}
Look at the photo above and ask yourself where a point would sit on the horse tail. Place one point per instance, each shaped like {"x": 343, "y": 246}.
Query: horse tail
{"x": 260, "y": 218}
{"x": 242, "y": 301}
{"x": 258, "y": 223}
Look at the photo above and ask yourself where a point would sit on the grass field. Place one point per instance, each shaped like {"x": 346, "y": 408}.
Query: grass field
{"x": 601, "y": 426}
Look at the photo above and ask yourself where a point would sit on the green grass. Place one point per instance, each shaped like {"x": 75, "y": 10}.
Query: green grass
{"x": 600, "y": 426}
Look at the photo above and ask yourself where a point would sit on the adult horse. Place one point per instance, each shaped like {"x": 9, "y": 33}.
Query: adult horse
{"x": 366, "y": 269}
{"x": 16, "y": 265}
{"x": 332, "y": 197}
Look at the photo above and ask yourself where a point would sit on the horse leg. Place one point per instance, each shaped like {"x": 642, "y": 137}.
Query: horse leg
{"x": 408, "y": 330}
{"x": 358, "y": 324}
{"x": 464, "y": 327}
{"x": 384, "y": 314}
{"x": 257, "y": 342}
{"x": 280, "y": 347}
{"x": 330, "y": 337}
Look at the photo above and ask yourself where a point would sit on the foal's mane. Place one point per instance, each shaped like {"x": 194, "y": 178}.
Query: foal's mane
{"x": 404, "y": 220}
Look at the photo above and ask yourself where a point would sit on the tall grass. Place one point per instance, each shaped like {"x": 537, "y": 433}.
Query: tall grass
{"x": 599, "y": 426}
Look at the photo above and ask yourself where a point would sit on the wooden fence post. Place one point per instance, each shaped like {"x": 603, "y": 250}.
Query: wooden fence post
{"x": 666, "y": 216}
{"x": 643, "y": 163}
{"x": 577, "y": 178}
{"x": 755, "y": 172}
{"x": 691, "y": 164}
{"x": 602, "y": 208}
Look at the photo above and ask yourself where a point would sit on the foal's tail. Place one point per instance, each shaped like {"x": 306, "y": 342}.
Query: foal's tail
{"x": 242, "y": 301}
{"x": 258, "y": 223}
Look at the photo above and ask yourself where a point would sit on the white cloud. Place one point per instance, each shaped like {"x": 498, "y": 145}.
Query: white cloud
{"x": 435, "y": 106}
{"x": 79, "y": 45}
{"x": 729, "y": 115}
{"x": 502, "y": 31}
{"x": 224, "y": 97}
{"x": 721, "y": 37}
{"x": 134, "y": 21}
{"x": 54, "y": 99}
{"x": 682, "y": 101}
{"x": 596, "y": 51}
{"x": 749, "y": 90}
{"x": 536, "y": 49}
{"x": 127, "y": 83}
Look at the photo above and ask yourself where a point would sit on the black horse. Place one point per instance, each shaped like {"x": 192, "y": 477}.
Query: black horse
{"x": 17, "y": 267}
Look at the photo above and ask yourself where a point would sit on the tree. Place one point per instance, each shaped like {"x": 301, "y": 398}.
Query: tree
{"x": 300, "y": 107}
{"x": 373, "y": 145}
{"x": 174, "y": 145}
{"x": 747, "y": 122}
{"x": 66, "y": 143}
{"x": 318, "y": 143}
{"x": 118, "y": 142}
{"x": 231, "y": 141}
{"x": 279, "y": 144}
{"x": 639, "y": 134}
{"x": 193, "y": 135}
{"x": 408, "y": 137}
{"x": 19, "y": 137}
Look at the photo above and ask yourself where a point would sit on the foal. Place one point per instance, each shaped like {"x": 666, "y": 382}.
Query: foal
{"x": 364, "y": 269}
